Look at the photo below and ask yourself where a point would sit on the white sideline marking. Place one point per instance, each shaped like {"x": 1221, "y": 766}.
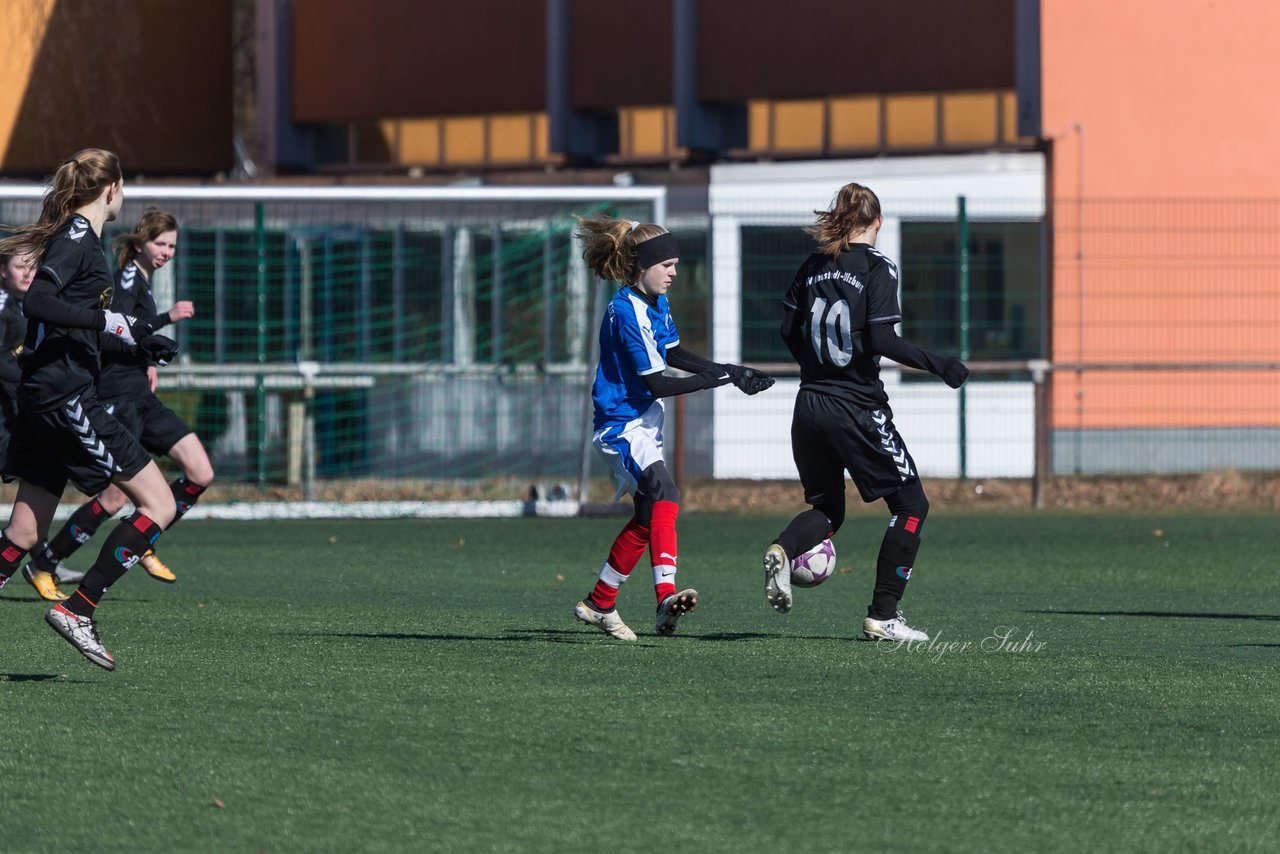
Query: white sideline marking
{"x": 269, "y": 510}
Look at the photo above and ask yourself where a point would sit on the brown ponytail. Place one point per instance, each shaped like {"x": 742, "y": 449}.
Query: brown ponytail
{"x": 78, "y": 181}
{"x": 855, "y": 209}
{"x": 609, "y": 246}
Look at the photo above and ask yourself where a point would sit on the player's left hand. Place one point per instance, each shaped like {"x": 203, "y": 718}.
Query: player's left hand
{"x": 158, "y": 348}
{"x": 749, "y": 380}
{"x": 182, "y": 310}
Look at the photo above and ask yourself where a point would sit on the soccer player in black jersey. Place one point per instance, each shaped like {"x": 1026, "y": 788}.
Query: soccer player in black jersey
{"x": 838, "y": 319}
{"x": 126, "y": 388}
{"x": 16, "y": 273}
{"x": 63, "y": 433}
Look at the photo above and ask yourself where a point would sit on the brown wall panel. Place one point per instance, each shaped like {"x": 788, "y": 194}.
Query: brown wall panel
{"x": 401, "y": 58}
{"x": 621, "y": 54}
{"x": 749, "y": 49}
{"x": 149, "y": 79}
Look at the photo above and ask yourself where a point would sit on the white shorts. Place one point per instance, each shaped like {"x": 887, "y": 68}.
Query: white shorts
{"x": 632, "y": 447}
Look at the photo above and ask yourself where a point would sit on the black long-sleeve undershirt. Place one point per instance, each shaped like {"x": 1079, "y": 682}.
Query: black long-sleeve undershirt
{"x": 706, "y": 374}
{"x": 43, "y": 304}
{"x": 882, "y": 340}
{"x": 687, "y": 360}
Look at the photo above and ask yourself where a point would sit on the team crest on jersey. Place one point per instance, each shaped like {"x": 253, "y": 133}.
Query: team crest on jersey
{"x": 127, "y": 277}
{"x": 104, "y": 298}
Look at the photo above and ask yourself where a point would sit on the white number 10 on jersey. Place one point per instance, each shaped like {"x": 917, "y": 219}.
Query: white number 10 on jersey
{"x": 833, "y": 326}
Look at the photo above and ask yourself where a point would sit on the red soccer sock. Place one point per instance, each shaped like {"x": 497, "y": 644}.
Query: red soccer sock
{"x": 625, "y": 553}
{"x": 662, "y": 547}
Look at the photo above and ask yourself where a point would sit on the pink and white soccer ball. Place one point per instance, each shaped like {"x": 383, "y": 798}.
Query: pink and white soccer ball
{"x": 814, "y": 566}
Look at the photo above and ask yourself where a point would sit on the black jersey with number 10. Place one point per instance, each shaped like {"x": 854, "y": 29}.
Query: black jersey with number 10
{"x": 835, "y": 299}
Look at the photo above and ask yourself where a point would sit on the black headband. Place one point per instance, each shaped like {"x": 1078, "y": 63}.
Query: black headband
{"x": 656, "y": 249}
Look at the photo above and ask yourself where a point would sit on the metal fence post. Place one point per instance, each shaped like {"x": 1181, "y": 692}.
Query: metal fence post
{"x": 260, "y": 397}
{"x": 1040, "y": 374}
{"x": 963, "y": 240}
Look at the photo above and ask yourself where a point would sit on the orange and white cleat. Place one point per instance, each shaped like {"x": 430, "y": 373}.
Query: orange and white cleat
{"x": 156, "y": 569}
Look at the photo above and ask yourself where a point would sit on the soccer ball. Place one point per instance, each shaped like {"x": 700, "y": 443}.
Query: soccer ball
{"x": 814, "y": 566}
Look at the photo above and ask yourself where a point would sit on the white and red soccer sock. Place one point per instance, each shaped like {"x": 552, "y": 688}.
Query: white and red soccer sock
{"x": 625, "y": 553}
{"x": 662, "y": 547}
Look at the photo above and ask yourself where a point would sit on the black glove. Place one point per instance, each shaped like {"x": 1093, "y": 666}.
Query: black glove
{"x": 158, "y": 349}
{"x": 954, "y": 373}
{"x": 748, "y": 380}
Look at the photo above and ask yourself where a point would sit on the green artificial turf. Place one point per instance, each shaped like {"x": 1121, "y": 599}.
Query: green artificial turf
{"x": 422, "y": 686}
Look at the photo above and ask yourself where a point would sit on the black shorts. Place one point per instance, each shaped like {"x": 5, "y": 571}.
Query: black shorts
{"x": 830, "y": 436}
{"x": 149, "y": 421}
{"x": 77, "y": 442}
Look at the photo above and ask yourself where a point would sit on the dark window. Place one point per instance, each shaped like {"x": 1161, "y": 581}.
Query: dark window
{"x": 1004, "y": 288}
{"x": 770, "y": 257}
{"x": 690, "y": 292}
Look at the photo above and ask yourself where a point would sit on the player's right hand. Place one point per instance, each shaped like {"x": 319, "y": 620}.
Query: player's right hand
{"x": 126, "y": 327}
{"x": 954, "y": 373}
{"x": 749, "y": 380}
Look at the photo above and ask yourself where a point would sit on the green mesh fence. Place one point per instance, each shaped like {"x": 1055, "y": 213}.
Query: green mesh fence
{"x": 390, "y": 339}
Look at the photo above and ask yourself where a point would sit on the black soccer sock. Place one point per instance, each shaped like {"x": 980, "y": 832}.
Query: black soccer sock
{"x": 10, "y": 557}
{"x": 185, "y": 495}
{"x": 125, "y": 545}
{"x": 78, "y": 530}
{"x": 893, "y": 569}
{"x": 42, "y": 558}
{"x": 804, "y": 532}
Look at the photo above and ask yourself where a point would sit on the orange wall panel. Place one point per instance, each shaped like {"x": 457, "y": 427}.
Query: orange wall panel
{"x": 1160, "y": 116}
{"x": 855, "y": 122}
{"x": 911, "y": 121}
{"x": 969, "y": 118}
{"x": 1176, "y": 99}
{"x": 797, "y": 125}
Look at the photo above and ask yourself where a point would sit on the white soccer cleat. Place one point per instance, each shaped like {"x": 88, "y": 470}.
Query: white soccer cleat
{"x": 777, "y": 578}
{"x": 895, "y": 629}
{"x": 606, "y": 621}
{"x": 672, "y": 608}
{"x": 81, "y": 633}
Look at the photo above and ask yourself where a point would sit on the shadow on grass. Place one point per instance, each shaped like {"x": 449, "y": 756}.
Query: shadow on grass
{"x": 38, "y": 600}
{"x": 580, "y": 636}
{"x": 25, "y": 599}
{"x": 553, "y": 636}
{"x": 27, "y": 677}
{"x": 1192, "y": 615}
